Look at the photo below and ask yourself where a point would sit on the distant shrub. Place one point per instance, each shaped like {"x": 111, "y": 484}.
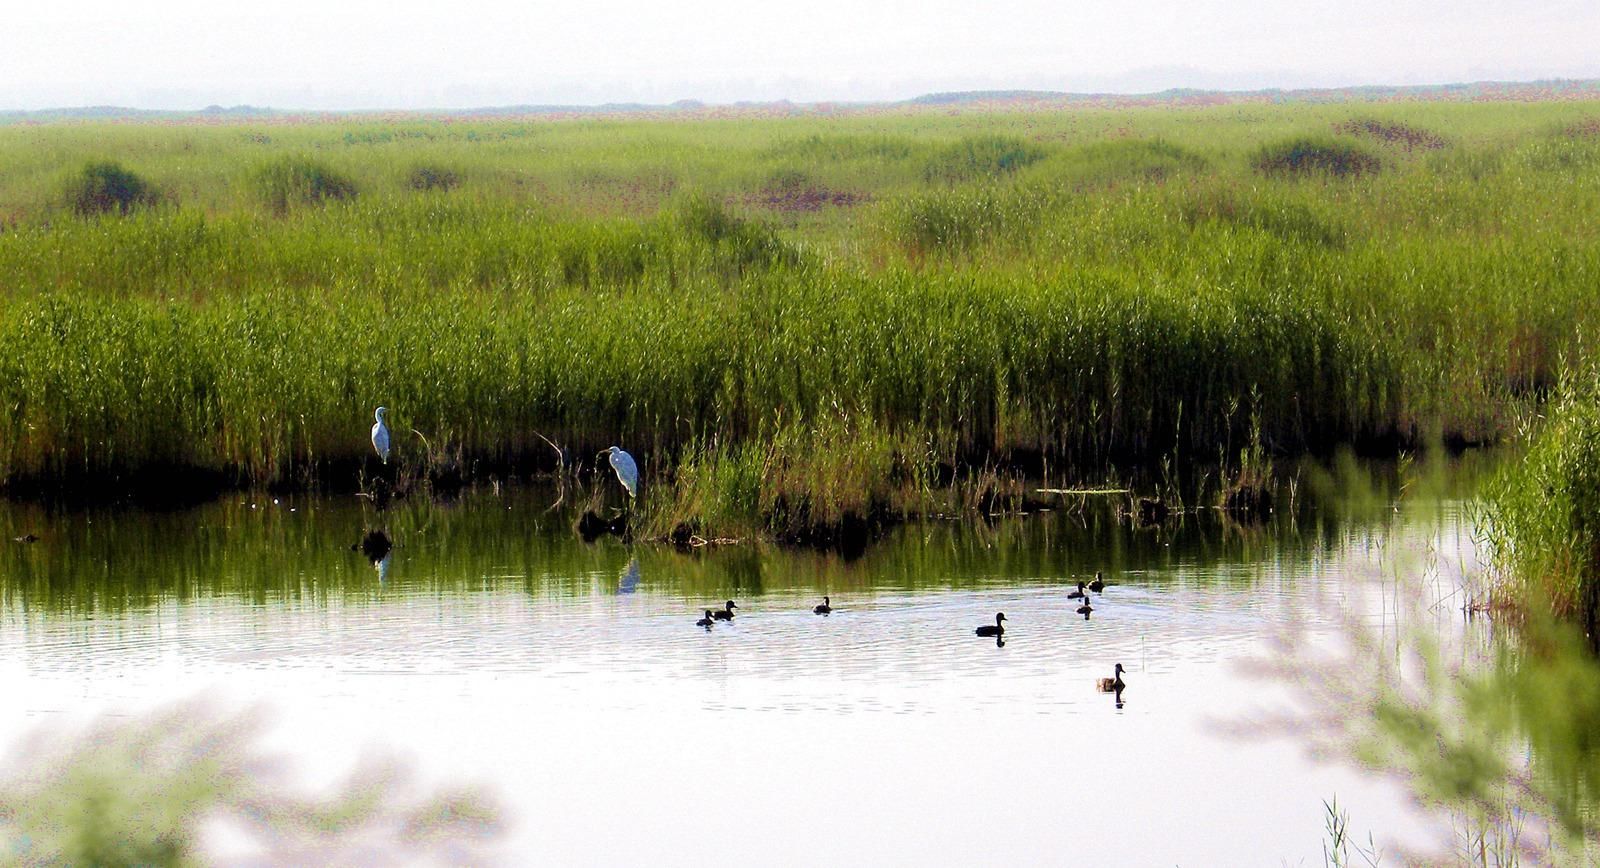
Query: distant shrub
{"x": 289, "y": 181}
{"x": 979, "y": 157}
{"x": 1392, "y": 132}
{"x": 102, "y": 187}
{"x": 1315, "y": 156}
{"x": 434, "y": 178}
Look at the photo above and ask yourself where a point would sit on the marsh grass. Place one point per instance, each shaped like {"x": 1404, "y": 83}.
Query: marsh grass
{"x": 1116, "y": 295}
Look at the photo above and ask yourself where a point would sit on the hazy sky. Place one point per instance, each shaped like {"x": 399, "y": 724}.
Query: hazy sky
{"x": 400, "y": 54}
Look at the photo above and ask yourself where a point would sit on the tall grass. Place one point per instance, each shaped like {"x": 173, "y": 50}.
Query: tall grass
{"x": 1542, "y": 515}
{"x": 1102, "y": 291}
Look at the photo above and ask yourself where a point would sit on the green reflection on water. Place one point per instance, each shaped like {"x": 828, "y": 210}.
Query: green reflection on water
{"x": 299, "y": 551}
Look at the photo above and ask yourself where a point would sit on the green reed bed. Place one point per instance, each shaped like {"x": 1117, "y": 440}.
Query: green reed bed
{"x": 1097, "y": 292}
{"x": 1542, "y": 515}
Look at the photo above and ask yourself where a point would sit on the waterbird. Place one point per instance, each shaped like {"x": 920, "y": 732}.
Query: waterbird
{"x": 380, "y": 434}
{"x": 825, "y": 608}
{"x": 1078, "y": 594}
{"x": 1085, "y": 609}
{"x": 1109, "y": 685}
{"x": 726, "y": 613}
{"x": 627, "y": 469}
{"x": 997, "y": 629}
{"x": 1098, "y": 584}
{"x": 705, "y": 622}
{"x": 26, "y": 538}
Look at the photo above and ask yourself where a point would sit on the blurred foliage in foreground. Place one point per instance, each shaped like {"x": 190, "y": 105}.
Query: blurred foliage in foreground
{"x": 171, "y": 788}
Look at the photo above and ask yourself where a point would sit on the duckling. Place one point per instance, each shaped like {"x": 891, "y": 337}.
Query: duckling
{"x": 1098, "y": 584}
{"x": 726, "y": 613}
{"x": 1112, "y": 685}
{"x": 1078, "y": 594}
{"x": 997, "y": 629}
{"x": 1085, "y": 609}
{"x": 825, "y": 608}
{"x": 705, "y": 622}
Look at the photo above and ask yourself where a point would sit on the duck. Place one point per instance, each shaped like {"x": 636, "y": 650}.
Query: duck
{"x": 825, "y": 608}
{"x": 1078, "y": 594}
{"x": 706, "y": 622}
{"x": 997, "y": 629}
{"x": 726, "y": 613}
{"x": 1112, "y": 685}
{"x": 1085, "y": 609}
{"x": 1098, "y": 584}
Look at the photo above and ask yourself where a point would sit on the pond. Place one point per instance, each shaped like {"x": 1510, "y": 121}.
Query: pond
{"x": 570, "y": 679}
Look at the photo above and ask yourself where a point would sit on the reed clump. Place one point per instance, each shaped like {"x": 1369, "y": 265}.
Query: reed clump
{"x": 434, "y": 177}
{"x": 1542, "y": 514}
{"x": 295, "y": 180}
{"x": 1310, "y": 155}
{"x": 105, "y": 186}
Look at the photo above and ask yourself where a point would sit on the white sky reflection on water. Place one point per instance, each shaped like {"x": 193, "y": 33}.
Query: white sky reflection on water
{"x": 618, "y": 732}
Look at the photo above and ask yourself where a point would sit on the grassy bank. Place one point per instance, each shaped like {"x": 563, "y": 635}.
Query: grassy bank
{"x": 1542, "y": 513}
{"x": 792, "y": 322}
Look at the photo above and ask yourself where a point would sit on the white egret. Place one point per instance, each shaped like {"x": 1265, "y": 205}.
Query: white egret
{"x": 627, "y": 470}
{"x": 380, "y": 434}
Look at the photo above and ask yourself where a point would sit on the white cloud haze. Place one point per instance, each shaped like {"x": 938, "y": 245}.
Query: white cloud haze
{"x": 364, "y": 54}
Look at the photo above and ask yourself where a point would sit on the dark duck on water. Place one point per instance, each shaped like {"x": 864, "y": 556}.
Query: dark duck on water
{"x": 997, "y": 629}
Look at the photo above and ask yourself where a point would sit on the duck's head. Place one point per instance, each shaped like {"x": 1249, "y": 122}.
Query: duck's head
{"x": 1120, "y": 670}
{"x": 732, "y": 605}
{"x": 999, "y": 616}
{"x": 826, "y": 601}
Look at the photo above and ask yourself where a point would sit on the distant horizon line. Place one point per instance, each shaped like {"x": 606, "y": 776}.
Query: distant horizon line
{"x": 1565, "y": 87}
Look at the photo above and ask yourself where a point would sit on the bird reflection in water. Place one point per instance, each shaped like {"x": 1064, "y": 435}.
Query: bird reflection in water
{"x": 628, "y": 582}
{"x": 999, "y": 641}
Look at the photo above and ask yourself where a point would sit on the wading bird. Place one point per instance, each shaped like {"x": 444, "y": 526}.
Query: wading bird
{"x": 627, "y": 470}
{"x": 380, "y": 434}
{"x": 997, "y": 629}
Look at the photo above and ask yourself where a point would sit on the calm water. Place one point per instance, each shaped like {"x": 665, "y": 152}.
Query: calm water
{"x": 494, "y": 647}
